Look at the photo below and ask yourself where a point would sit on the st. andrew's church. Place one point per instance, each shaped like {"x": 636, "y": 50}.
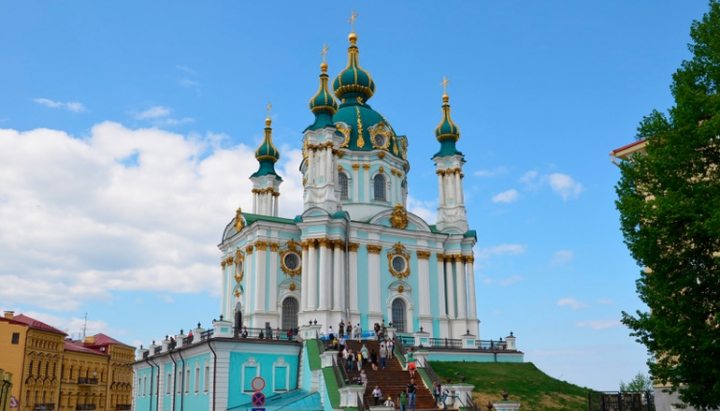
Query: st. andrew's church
{"x": 355, "y": 253}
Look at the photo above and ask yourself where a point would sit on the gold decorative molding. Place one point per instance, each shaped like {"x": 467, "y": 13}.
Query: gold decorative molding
{"x": 400, "y": 288}
{"x": 323, "y": 242}
{"x": 340, "y": 154}
{"x": 274, "y": 247}
{"x": 381, "y": 155}
{"x": 353, "y": 247}
{"x": 230, "y": 260}
{"x": 238, "y": 224}
{"x": 423, "y": 255}
{"x": 381, "y": 169}
{"x": 261, "y": 245}
{"x": 292, "y": 286}
{"x": 237, "y": 293}
{"x": 360, "y": 141}
{"x": 374, "y": 249}
{"x": 249, "y": 249}
{"x": 345, "y": 130}
{"x": 440, "y": 256}
{"x": 292, "y": 246}
{"x": 355, "y": 166}
{"x": 366, "y": 166}
{"x": 394, "y": 254}
{"x": 223, "y": 263}
{"x": 399, "y": 218}
{"x": 340, "y": 168}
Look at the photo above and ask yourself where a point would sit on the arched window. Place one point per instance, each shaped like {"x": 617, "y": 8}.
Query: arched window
{"x": 398, "y": 315}
{"x": 379, "y": 187}
{"x": 343, "y": 182}
{"x": 289, "y": 313}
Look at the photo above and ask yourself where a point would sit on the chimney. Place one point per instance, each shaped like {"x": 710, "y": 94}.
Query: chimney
{"x": 9, "y": 314}
{"x": 89, "y": 340}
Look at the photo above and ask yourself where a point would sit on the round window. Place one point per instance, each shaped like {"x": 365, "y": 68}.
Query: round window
{"x": 399, "y": 264}
{"x": 380, "y": 140}
{"x": 292, "y": 261}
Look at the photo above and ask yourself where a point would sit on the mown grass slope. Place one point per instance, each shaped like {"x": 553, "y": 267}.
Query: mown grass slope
{"x": 523, "y": 381}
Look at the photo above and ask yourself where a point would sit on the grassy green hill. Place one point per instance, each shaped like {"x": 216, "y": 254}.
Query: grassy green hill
{"x": 524, "y": 381}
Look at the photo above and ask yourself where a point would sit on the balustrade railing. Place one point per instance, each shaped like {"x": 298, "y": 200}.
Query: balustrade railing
{"x": 448, "y": 343}
{"x": 265, "y": 333}
{"x": 87, "y": 381}
{"x": 46, "y": 406}
{"x": 86, "y": 407}
{"x": 206, "y": 335}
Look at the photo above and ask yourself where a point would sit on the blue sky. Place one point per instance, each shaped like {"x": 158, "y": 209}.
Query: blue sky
{"x": 127, "y": 131}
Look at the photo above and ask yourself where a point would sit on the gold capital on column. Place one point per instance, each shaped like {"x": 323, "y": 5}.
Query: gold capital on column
{"x": 261, "y": 245}
{"x": 355, "y": 166}
{"x": 323, "y": 242}
{"x": 274, "y": 247}
{"x": 353, "y": 247}
{"x": 440, "y": 256}
{"x": 223, "y": 264}
{"x": 423, "y": 255}
{"x": 366, "y": 166}
{"x": 249, "y": 249}
{"x": 374, "y": 249}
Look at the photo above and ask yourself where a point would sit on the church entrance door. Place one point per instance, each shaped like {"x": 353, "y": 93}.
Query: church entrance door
{"x": 398, "y": 315}
{"x": 290, "y": 308}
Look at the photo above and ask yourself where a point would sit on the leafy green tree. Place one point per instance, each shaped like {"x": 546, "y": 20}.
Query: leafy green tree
{"x": 640, "y": 383}
{"x": 669, "y": 202}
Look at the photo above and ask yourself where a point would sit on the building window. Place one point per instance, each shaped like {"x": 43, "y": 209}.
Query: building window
{"x": 197, "y": 378}
{"x": 379, "y": 187}
{"x": 206, "y": 382}
{"x": 343, "y": 182}
{"x": 167, "y": 383}
{"x": 178, "y": 382}
{"x": 398, "y": 315}
{"x": 30, "y": 367}
{"x": 187, "y": 381}
{"x": 15, "y": 338}
{"x": 289, "y": 313}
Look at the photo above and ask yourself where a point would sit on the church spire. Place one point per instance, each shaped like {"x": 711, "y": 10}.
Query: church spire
{"x": 353, "y": 82}
{"x": 323, "y": 104}
{"x": 452, "y": 217}
{"x": 266, "y": 182}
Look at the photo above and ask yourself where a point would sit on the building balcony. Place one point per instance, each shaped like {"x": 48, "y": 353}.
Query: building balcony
{"x": 44, "y": 407}
{"x": 87, "y": 381}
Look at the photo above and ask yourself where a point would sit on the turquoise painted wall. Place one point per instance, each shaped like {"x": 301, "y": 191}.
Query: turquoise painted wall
{"x": 239, "y": 391}
{"x": 473, "y": 357}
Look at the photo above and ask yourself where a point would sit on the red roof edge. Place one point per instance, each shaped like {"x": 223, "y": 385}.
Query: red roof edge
{"x": 617, "y": 150}
{"x": 38, "y": 325}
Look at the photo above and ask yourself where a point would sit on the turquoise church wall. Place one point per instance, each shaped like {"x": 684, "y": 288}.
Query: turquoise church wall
{"x": 240, "y": 390}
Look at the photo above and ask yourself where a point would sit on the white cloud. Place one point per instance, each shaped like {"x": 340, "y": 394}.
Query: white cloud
{"x": 491, "y": 173}
{"x": 153, "y": 112}
{"x": 72, "y": 325}
{"x": 510, "y": 280}
{"x": 529, "y": 177}
{"x": 503, "y": 249}
{"x": 185, "y": 69}
{"x": 73, "y": 106}
{"x": 509, "y": 196}
{"x": 427, "y": 210}
{"x": 96, "y": 224}
{"x": 188, "y": 83}
{"x": 572, "y": 303}
{"x": 598, "y": 324}
{"x": 562, "y": 257}
{"x": 565, "y": 186}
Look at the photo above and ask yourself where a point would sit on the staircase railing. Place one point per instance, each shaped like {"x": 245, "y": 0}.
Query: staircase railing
{"x": 431, "y": 373}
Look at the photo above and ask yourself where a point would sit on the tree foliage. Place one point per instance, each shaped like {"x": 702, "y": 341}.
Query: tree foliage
{"x": 640, "y": 383}
{"x": 669, "y": 201}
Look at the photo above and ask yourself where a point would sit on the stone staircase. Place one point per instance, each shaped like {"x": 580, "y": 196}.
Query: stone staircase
{"x": 392, "y": 380}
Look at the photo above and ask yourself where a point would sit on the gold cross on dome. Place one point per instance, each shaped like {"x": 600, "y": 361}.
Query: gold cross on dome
{"x": 353, "y": 16}
{"x": 324, "y": 51}
{"x": 444, "y": 84}
{"x": 269, "y": 106}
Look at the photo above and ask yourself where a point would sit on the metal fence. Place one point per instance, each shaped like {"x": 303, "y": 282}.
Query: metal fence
{"x": 621, "y": 401}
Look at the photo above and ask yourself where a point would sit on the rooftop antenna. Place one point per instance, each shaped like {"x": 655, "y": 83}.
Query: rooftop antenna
{"x": 84, "y": 328}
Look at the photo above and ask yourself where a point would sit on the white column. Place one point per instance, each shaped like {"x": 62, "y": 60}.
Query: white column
{"x": 338, "y": 290}
{"x": 312, "y": 274}
{"x": 261, "y": 263}
{"x": 331, "y": 165}
{"x": 441, "y": 285}
{"x": 441, "y": 189}
{"x": 462, "y": 191}
{"x": 311, "y": 167}
{"x": 458, "y": 187}
{"x": 461, "y": 287}
{"x": 249, "y": 274}
{"x": 255, "y": 203}
{"x": 424, "y": 283}
{"x": 450, "y": 286}
{"x": 374, "y": 279}
{"x": 324, "y": 274}
{"x": 353, "y": 278}
{"x": 356, "y": 184}
{"x": 230, "y": 297}
{"x": 226, "y": 292}
{"x": 272, "y": 284}
{"x": 304, "y": 277}
{"x": 277, "y": 198}
{"x": 470, "y": 260}
{"x": 366, "y": 179}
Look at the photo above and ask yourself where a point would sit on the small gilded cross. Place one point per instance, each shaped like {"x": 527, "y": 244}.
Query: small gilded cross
{"x": 324, "y": 51}
{"x": 353, "y": 16}
{"x": 269, "y": 106}
{"x": 444, "y": 84}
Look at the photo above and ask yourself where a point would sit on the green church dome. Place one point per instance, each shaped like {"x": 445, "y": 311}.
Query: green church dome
{"x": 267, "y": 154}
{"x": 447, "y": 132}
{"x": 323, "y": 99}
{"x": 353, "y": 81}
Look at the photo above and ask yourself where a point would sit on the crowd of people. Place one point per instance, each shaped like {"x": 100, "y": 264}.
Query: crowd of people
{"x": 378, "y": 361}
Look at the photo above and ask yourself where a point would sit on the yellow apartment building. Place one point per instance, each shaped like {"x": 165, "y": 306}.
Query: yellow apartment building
{"x": 55, "y": 373}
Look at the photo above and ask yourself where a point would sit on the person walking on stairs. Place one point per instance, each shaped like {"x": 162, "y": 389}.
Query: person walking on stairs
{"x": 411, "y": 362}
{"x": 412, "y": 393}
{"x": 377, "y": 393}
{"x": 403, "y": 400}
{"x": 383, "y": 355}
